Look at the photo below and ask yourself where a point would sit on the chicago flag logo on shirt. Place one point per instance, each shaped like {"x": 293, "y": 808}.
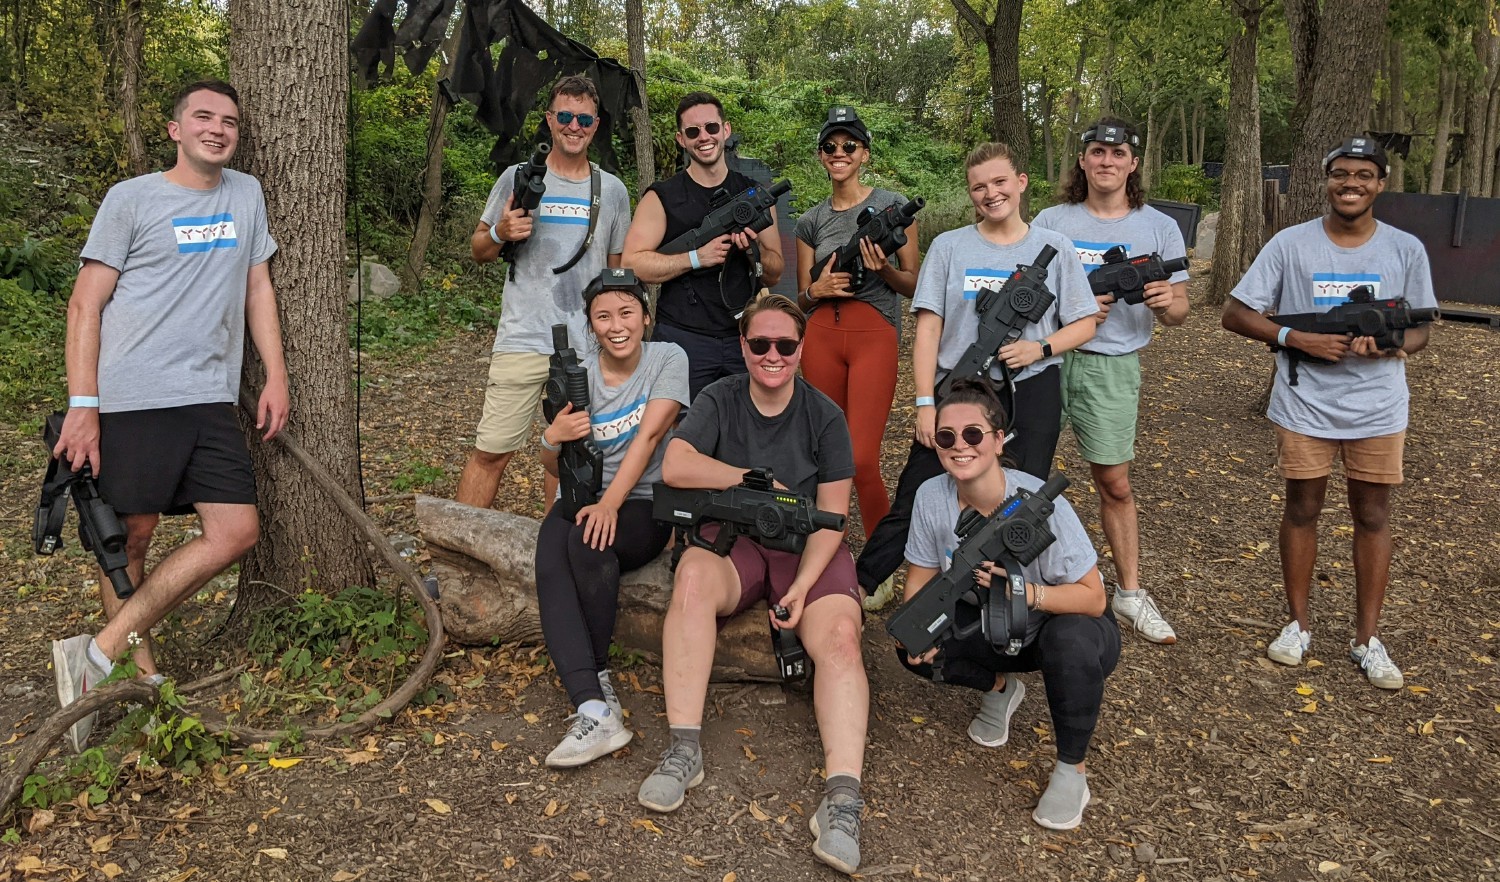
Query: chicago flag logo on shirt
{"x": 1092, "y": 253}
{"x": 1332, "y": 289}
{"x": 984, "y": 277}
{"x": 204, "y": 233}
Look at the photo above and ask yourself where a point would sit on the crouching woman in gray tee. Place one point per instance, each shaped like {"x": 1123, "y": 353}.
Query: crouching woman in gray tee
{"x": 1071, "y": 637}
{"x": 636, "y": 390}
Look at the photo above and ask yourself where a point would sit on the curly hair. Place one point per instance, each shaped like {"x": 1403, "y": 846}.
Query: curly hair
{"x": 1076, "y": 188}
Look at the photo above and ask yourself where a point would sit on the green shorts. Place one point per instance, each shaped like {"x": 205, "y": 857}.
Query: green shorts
{"x": 1101, "y": 394}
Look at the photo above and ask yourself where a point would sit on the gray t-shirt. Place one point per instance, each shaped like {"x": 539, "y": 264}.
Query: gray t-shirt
{"x": 962, "y": 261}
{"x": 826, "y": 230}
{"x": 536, "y": 298}
{"x": 615, "y": 412}
{"x": 932, "y": 540}
{"x": 1301, "y": 270}
{"x": 805, "y": 445}
{"x": 1142, "y": 231}
{"x": 173, "y": 333}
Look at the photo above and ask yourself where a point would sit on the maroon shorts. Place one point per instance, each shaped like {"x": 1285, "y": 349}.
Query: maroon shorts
{"x": 767, "y": 574}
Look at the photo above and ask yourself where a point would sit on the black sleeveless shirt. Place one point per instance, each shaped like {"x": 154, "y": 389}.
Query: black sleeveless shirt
{"x": 706, "y": 301}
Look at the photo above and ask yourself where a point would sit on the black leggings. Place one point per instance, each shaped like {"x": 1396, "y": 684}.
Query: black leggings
{"x": 578, "y": 587}
{"x": 1036, "y": 417}
{"x": 1074, "y": 653}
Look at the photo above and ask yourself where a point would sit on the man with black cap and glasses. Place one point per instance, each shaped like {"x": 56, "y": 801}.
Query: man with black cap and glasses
{"x": 1352, "y": 404}
{"x": 1103, "y": 206}
{"x": 704, "y": 290}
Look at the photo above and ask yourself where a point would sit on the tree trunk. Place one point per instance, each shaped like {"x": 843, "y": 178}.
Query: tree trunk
{"x": 1187, "y": 141}
{"x": 132, "y": 45}
{"x": 1049, "y": 148}
{"x": 291, "y": 65}
{"x": 1240, "y": 222}
{"x": 1492, "y": 146}
{"x": 1152, "y": 153}
{"x": 1447, "y": 79}
{"x": 1477, "y": 108}
{"x": 1396, "y": 118}
{"x": 640, "y": 117}
{"x": 1333, "y": 95}
{"x": 1007, "y": 115}
{"x": 432, "y": 178}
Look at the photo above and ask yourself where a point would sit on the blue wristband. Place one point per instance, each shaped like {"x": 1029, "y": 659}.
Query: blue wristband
{"x": 693, "y": 259}
{"x": 1281, "y": 336}
{"x": 926, "y": 401}
{"x": 83, "y": 400}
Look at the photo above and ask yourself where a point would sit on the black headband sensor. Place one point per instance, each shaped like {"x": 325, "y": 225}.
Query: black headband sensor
{"x": 615, "y": 278}
{"x": 1110, "y": 135}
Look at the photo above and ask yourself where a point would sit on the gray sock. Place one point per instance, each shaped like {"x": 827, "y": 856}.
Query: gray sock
{"x": 841, "y": 785}
{"x": 686, "y": 735}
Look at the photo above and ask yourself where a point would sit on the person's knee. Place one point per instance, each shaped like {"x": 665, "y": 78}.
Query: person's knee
{"x": 1302, "y": 508}
{"x": 698, "y": 585}
{"x": 1071, "y": 645}
{"x": 491, "y": 462}
{"x": 1370, "y": 515}
{"x": 839, "y": 643}
{"x": 139, "y": 529}
{"x": 1113, "y": 483}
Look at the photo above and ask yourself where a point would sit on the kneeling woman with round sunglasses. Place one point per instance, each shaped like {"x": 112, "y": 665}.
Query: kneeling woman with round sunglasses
{"x": 1071, "y": 637}
{"x": 636, "y": 390}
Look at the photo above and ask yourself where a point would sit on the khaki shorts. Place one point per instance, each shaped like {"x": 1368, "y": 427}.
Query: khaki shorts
{"x": 1101, "y": 396}
{"x": 510, "y": 399}
{"x": 1372, "y": 460}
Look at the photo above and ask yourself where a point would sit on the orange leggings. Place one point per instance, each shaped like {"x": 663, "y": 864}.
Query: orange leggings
{"x": 850, "y": 356}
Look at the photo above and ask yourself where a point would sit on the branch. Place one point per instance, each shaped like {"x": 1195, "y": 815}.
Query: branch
{"x": 972, "y": 18}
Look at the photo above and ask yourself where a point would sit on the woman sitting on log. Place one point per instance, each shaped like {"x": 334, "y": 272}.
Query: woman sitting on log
{"x": 1071, "y": 636}
{"x": 636, "y": 390}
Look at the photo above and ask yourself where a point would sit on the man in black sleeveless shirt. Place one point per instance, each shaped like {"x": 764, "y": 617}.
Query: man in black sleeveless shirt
{"x": 703, "y": 292}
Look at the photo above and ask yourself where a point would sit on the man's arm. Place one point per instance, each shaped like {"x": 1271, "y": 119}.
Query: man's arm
{"x": 647, "y": 230}
{"x": 264, "y": 326}
{"x": 1241, "y": 319}
{"x": 514, "y": 226}
{"x": 79, "y": 439}
{"x": 1168, "y": 302}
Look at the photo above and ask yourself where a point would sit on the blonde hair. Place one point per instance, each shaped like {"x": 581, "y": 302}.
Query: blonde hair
{"x": 993, "y": 150}
{"x": 768, "y": 302}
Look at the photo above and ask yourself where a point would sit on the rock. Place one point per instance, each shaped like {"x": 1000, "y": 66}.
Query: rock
{"x": 19, "y": 690}
{"x": 485, "y": 563}
{"x": 1145, "y": 852}
{"x": 1116, "y": 853}
{"x": 1208, "y": 229}
{"x": 380, "y": 282}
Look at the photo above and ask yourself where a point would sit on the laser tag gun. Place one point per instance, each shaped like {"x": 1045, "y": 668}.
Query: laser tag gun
{"x": 99, "y": 528}
{"x": 1126, "y": 277}
{"x": 750, "y": 210}
{"x": 886, "y": 229}
{"x": 777, "y": 519}
{"x": 791, "y": 658}
{"x": 1386, "y": 319}
{"x": 1004, "y": 313}
{"x": 1014, "y": 536}
{"x": 580, "y": 464}
{"x": 531, "y": 183}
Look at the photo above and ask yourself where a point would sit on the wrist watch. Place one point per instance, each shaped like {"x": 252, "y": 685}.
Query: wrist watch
{"x": 1046, "y": 348}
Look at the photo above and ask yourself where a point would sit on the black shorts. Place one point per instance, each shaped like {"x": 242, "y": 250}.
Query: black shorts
{"x": 163, "y": 461}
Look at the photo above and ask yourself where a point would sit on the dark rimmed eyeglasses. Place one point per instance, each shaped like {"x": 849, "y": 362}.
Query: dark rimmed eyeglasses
{"x": 691, "y": 132}
{"x": 972, "y": 435}
{"x": 1339, "y": 175}
{"x": 829, "y": 148}
{"x": 785, "y": 346}
{"x": 566, "y": 117}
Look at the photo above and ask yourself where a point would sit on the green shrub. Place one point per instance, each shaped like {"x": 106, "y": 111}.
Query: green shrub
{"x": 1186, "y": 183}
{"x": 33, "y": 325}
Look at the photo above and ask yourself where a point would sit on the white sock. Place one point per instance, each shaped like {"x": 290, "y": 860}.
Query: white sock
{"x": 594, "y": 708}
{"x": 97, "y": 656}
{"x": 1128, "y": 592}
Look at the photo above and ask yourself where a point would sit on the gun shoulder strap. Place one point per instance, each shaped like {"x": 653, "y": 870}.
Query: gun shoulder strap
{"x": 595, "y": 185}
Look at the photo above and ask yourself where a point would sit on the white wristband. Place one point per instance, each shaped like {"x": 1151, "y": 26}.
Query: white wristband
{"x": 549, "y": 446}
{"x": 83, "y": 400}
{"x": 495, "y": 238}
{"x": 693, "y": 259}
{"x": 1281, "y": 336}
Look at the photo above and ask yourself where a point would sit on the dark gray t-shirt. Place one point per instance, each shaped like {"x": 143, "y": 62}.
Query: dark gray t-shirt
{"x": 536, "y": 298}
{"x": 826, "y": 230}
{"x": 173, "y": 333}
{"x": 615, "y": 412}
{"x": 932, "y": 540}
{"x": 805, "y": 445}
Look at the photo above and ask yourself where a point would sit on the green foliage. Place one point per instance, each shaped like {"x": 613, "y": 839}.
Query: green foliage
{"x": 442, "y": 306}
{"x": 1186, "y": 183}
{"x": 33, "y": 324}
{"x": 416, "y": 475}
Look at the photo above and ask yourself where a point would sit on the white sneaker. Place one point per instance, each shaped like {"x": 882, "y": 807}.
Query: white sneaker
{"x": 1289, "y": 645}
{"x": 883, "y": 595}
{"x": 610, "y": 698}
{"x": 1376, "y": 662}
{"x": 1142, "y": 614}
{"x": 76, "y": 674}
{"x": 588, "y": 739}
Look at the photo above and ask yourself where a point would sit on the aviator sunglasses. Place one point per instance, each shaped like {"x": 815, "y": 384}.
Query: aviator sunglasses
{"x": 712, "y": 128}
{"x": 972, "y": 435}
{"x": 566, "y": 117}
{"x": 785, "y": 346}
{"x": 829, "y": 148}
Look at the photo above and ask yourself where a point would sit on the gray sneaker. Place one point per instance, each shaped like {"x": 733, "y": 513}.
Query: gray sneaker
{"x": 588, "y": 739}
{"x": 835, "y": 829}
{"x": 680, "y": 770}
{"x": 610, "y": 698}
{"x": 1061, "y": 807}
{"x": 76, "y": 674}
{"x": 991, "y": 726}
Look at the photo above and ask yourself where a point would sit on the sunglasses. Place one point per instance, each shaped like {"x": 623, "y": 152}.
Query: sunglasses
{"x": 712, "y": 128}
{"x": 566, "y": 117}
{"x": 973, "y": 436}
{"x": 786, "y": 347}
{"x": 829, "y": 148}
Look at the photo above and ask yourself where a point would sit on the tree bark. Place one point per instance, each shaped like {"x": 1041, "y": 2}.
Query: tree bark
{"x": 1447, "y": 81}
{"x": 132, "y": 45}
{"x": 1396, "y": 116}
{"x": 1477, "y": 104}
{"x": 1240, "y": 223}
{"x": 1333, "y": 95}
{"x": 640, "y": 117}
{"x": 1002, "y": 38}
{"x": 290, "y": 63}
{"x": 432, "y": 178}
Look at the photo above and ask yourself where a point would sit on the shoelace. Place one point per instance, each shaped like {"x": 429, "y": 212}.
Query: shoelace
{"x": 677, "y": 762}
{"x": 1376, "y": 658}
{"x": 844, "y": 816}
{"x": 581, "y": 727}
{"x": 608, "y": 689}
{"x": 1148, "y": 612}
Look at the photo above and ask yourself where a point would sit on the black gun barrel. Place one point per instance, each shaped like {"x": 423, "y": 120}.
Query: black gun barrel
{"x": 1054, "y": 486}
{"x": 531, "y": 179}
{"x": 1044, "y": 257}
{"x": 1422, "y": 316}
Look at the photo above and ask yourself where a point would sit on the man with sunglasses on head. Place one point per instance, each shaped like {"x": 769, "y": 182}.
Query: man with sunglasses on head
{"x": 1103, "y": 205}
{"x": 576, "y": 231}
{"x": 1352, "y": 404}
{"x": 769, "y": 418}
{"x": 703, "y": 291}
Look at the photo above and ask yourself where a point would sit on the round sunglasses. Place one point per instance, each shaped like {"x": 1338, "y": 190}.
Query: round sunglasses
{"x": 712, "y": 128}
{"x": 973, "y": 436}
{"x": 566, "y": 117}
{"x": 829, "y": 148}
{"x": 785, "y": 346}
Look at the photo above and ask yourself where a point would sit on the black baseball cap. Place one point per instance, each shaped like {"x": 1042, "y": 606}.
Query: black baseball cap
{"x": 1359, "y": 147}
{"x": 843, "y": 117}
{"x": 1110, "y": 134}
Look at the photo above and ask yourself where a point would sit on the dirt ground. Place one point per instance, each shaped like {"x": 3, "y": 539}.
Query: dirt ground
{"x": 1210, "y": 762}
